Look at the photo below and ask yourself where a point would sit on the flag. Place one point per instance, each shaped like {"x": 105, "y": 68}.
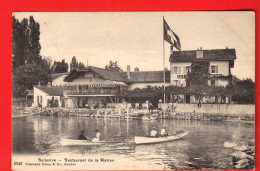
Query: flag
{"x": 170, "y": 36}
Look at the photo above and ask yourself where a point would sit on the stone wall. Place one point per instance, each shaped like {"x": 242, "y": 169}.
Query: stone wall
{"x": 226, "y": 109}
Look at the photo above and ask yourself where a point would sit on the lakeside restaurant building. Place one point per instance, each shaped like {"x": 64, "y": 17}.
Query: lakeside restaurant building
{"x": 219, "y": 70}
{"x": 93, "y": 85}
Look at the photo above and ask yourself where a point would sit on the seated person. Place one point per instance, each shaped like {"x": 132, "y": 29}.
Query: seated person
{"x": 163, "y": 132}
{"x": 154, "y": 132}
{"x": 97, "y": 138}
{"x": 82, "y": 136}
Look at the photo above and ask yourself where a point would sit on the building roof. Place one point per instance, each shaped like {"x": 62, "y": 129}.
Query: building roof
{"x": 135, "y": 77}
{"x": 103, "y": 73}
{"x": 56, "y": 75}
{"x": 96, "y": 82}
{"x": 51, "y": 91}
{"x": 28, "y": 92}
{"x": 214, "y": 54}
{"x": 148, "y": 76}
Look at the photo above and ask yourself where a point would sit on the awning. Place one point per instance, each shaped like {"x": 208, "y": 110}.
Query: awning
{"x": 95, "y": 82}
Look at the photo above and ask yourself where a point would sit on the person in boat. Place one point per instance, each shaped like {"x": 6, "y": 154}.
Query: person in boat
{"x": 97, "y": 138}
{"x": 150, "y": 107}
{"x": 163, "y": 132}
{"x": 154, "y": 133}
{"x": 82, "y": 136}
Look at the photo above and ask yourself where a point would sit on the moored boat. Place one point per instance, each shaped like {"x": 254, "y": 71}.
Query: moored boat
{"x": 19, "y": 117}
{"x": 152, "y": 140}
{"x": 74, "y": 142}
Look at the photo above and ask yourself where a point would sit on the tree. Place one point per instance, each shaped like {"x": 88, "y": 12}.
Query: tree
{"x": 113, "y": 66}
{"x": 24, "y": 77}
{"x": 244, "y": 92}
{"x": 74, "y": 64}
{"x": 25, "y": 42}
{"x": 136, "y": 69}
{"x": 81, "y": 65}
{"x": 60, "y": 67}
{"x": 199, "y": 74}
{"x": 46, "y": 63}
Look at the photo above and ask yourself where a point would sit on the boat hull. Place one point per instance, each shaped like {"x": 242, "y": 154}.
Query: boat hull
{"x": 19, "y": 117}
{"x": 153, "y": 140}
{"x": 72, "y": 142}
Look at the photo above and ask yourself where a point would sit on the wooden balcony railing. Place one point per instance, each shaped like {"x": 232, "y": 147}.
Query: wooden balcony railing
{"x": 91, "y": 92}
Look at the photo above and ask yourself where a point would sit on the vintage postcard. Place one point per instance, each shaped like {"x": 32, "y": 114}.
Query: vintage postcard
{"x": 133, "y": 90}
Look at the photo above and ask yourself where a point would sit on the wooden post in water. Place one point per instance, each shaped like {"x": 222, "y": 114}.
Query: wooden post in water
{"x": 127, "y": 113}
{"x": 105, "y": 114}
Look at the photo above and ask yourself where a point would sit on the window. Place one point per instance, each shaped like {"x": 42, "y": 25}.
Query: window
{"x": 179, "y": 70}
{"x": 175, "y": 70}
{"x": 187, "y": 69}
{"x": 212, "y": 82}
{"x": 214, "y": 69}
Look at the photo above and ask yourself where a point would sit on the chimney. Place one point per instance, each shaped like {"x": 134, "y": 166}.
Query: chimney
{"x": 49, "y": 84}
{"x": 128, "y": 72}
{"x": 39, "y": 84}
{"x": 199, "y": 53}
{"x": 171, "y": 51}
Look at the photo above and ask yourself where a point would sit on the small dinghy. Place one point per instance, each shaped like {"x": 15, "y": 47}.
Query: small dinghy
{"x": 73, "y": 142}
{"x": 152, "y": 140}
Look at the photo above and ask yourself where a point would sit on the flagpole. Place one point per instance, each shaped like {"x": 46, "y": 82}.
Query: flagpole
{"x": 163, "y": 66}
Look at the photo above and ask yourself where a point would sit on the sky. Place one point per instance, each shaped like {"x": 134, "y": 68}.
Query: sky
{"x": 136, "y": 38}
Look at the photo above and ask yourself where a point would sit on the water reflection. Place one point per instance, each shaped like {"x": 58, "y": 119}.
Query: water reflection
{"x": 201, "y": 149}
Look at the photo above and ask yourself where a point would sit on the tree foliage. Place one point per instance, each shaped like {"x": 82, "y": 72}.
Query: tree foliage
{"x": 24, "y": 77}
{"x": 46, "y": 63}
{"x": 199, "y": 74}
{"x": 28, "y": 66}
{"x": 244, "y": 92}
{"x": 60, "y": 67}
{"x": 113, "y": 66}
{"x": 25, "y": 42}
{"x": 136, "y": 69}
{"x": 74, "y": 64}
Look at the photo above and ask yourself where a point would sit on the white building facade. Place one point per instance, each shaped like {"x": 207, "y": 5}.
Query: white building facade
{"x": 219, "y": 71}
{"x": 220, "y": 62}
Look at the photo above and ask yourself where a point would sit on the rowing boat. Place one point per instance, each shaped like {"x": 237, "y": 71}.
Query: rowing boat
{"x": 152, "y": 140}
{"x": 19, "y": 117}
{"x": 73, "y": 142}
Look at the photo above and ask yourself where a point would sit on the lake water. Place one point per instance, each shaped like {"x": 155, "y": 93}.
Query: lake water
{"x": 202, "y": 148}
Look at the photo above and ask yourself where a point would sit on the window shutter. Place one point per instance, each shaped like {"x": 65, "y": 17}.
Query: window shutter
{"x": 184, "y": 70}
{"x": 216, "y": 69}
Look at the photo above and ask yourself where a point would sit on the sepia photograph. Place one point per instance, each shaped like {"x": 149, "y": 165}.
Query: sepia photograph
{"x": 158, "y": 90}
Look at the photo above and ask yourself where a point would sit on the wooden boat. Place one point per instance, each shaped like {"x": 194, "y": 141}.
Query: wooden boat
{"x": 19, "y": 117}
{"x": 73, "y": 142}
{"x": 152, "y": 140}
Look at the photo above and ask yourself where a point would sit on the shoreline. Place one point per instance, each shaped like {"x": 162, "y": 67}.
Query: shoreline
{"x": 142, "y": 114}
